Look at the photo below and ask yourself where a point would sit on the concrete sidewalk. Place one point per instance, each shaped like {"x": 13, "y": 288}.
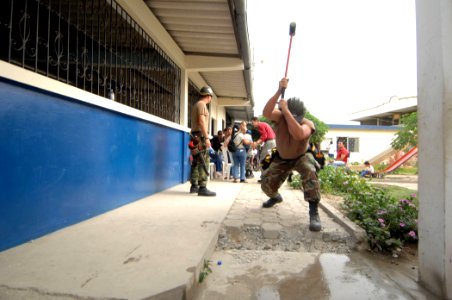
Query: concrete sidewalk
{"x": 151, "y": 247}
{"x": 155, "y": 248}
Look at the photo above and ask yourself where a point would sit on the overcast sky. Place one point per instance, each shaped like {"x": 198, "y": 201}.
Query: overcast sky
{"x": 346, "y": 55}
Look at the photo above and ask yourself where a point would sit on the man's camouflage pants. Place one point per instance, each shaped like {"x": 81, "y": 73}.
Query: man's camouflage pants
{"x": 198, "y": 176}
{"x": 279, "y": 170}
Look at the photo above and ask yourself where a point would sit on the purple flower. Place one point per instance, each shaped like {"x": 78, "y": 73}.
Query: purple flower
{"x": 402, "y": 224}
{"x": 413, "y": 195}
{"x": 381, "y": 220}
{"x": 412, "y": 234}
{"x": 381, "y": 212}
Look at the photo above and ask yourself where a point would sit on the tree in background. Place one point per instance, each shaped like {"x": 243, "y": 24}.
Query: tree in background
{"x": 320, "y": 127}
{"x": 407, "y": 136}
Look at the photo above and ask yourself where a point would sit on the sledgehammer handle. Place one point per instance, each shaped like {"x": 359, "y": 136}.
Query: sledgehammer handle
{"x": 292, "y": 27}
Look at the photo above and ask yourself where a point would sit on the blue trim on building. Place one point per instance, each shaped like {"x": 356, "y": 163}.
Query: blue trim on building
{"x": 63, "y": 161}
{"x": 364, "y": 127}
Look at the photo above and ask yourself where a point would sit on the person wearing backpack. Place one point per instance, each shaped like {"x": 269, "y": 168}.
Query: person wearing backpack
{"x": 239, "y": 152}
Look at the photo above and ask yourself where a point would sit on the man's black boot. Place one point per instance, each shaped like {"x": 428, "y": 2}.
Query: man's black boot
{"x": 314, "y": 218}
{"x": 194, "y": 189}
{"x": 272, "y": 201}
{"x": 203, "y": 191}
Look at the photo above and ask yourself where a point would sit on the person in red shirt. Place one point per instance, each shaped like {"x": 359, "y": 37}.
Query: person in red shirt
{"x": 267, "y": 137}
{"x": 342, "y": 153}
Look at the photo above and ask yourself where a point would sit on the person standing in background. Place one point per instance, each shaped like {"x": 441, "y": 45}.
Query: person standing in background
{"x": 217, "y": 155}
{"x": 266, "y": 139}
{"x": 227, "y": 133}
{"x": 239, "y": 156}
{"x": 330, "y": 150}
{"x": 200, "y": 144}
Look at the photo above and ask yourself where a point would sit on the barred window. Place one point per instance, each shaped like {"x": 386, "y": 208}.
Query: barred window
{"x": 193, "y": 97}
{"x": 351, "y": 143}
{"x": 93, "y": 45}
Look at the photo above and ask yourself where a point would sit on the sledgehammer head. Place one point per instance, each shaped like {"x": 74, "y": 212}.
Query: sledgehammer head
{"x": 293, "y": 25}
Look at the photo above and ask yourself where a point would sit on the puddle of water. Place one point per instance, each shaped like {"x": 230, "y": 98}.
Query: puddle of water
{"x": 267, "y": 293}
{"x": 348, "y": 280}
{"x": 309, "y": 284}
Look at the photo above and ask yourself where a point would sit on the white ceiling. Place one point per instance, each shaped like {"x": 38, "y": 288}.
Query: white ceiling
{"x": 213, "y": 28}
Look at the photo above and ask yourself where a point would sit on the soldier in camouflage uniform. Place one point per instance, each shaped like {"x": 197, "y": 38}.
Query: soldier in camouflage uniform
{"x": 200, "y": 144}
{"x": 293, "y": 132}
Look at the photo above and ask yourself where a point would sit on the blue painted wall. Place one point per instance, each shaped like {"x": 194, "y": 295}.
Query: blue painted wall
{"x": 63, "y": 161}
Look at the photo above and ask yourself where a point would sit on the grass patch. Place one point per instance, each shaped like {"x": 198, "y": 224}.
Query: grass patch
{"x": 399, "y": 171}
{"x": 397, "y": 192}
{"x": 405, "y": 171}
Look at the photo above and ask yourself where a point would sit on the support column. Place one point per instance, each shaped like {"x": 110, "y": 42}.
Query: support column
{"x": 184, "y": 98}
{"x": 434, "y": 45}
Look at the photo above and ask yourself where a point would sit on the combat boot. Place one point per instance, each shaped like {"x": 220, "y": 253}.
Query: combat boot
{"x": 194, "y": 189}
{"x": 203, "y": 191}
{"x": 272, "y": 201}
{"x": 314, "y": 218}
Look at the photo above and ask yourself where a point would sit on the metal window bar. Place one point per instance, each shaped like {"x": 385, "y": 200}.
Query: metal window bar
{"x": 93, "y": 45}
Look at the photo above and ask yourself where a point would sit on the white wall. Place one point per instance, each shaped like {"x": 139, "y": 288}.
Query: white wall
{"x": 371, "y": 142}
{"x": 219, "y": 114}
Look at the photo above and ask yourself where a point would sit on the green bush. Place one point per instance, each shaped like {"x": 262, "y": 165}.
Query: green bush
{"x": 388, "y": 222}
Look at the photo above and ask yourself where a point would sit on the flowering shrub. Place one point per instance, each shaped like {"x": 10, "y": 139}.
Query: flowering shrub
{"x": 388, "y": 222}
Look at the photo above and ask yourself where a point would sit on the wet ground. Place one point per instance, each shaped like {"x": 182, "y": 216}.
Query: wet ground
{"x": 297, "y": 263}
{"x": 273, "y": 275}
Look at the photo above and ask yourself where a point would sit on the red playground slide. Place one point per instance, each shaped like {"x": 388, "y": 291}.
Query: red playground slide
{"x": 400, "y": 161}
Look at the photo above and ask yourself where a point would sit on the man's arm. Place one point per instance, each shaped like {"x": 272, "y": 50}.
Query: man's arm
{"x": 270, "y": 112}
{"x": 341, "y": 154}
{"x": 263, "y": 134}
{"x": 202, "y": 122}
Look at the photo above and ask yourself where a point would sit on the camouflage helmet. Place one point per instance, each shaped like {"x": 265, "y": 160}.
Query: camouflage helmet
{"x": 297, "y": 108}
{"x": 206, "y": 91}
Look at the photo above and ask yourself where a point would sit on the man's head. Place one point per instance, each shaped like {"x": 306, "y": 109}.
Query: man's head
{"x": 206, "y": 91}
{"x": 340, "y": 145}
{"x": 255, "y": 121}
{"x": 227, "y": 131}
{"x": 220, "y": 133}
{"x": 206, "y": 94}
{"x": 297, "y": 108}
{"x": 243, "y": 126}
